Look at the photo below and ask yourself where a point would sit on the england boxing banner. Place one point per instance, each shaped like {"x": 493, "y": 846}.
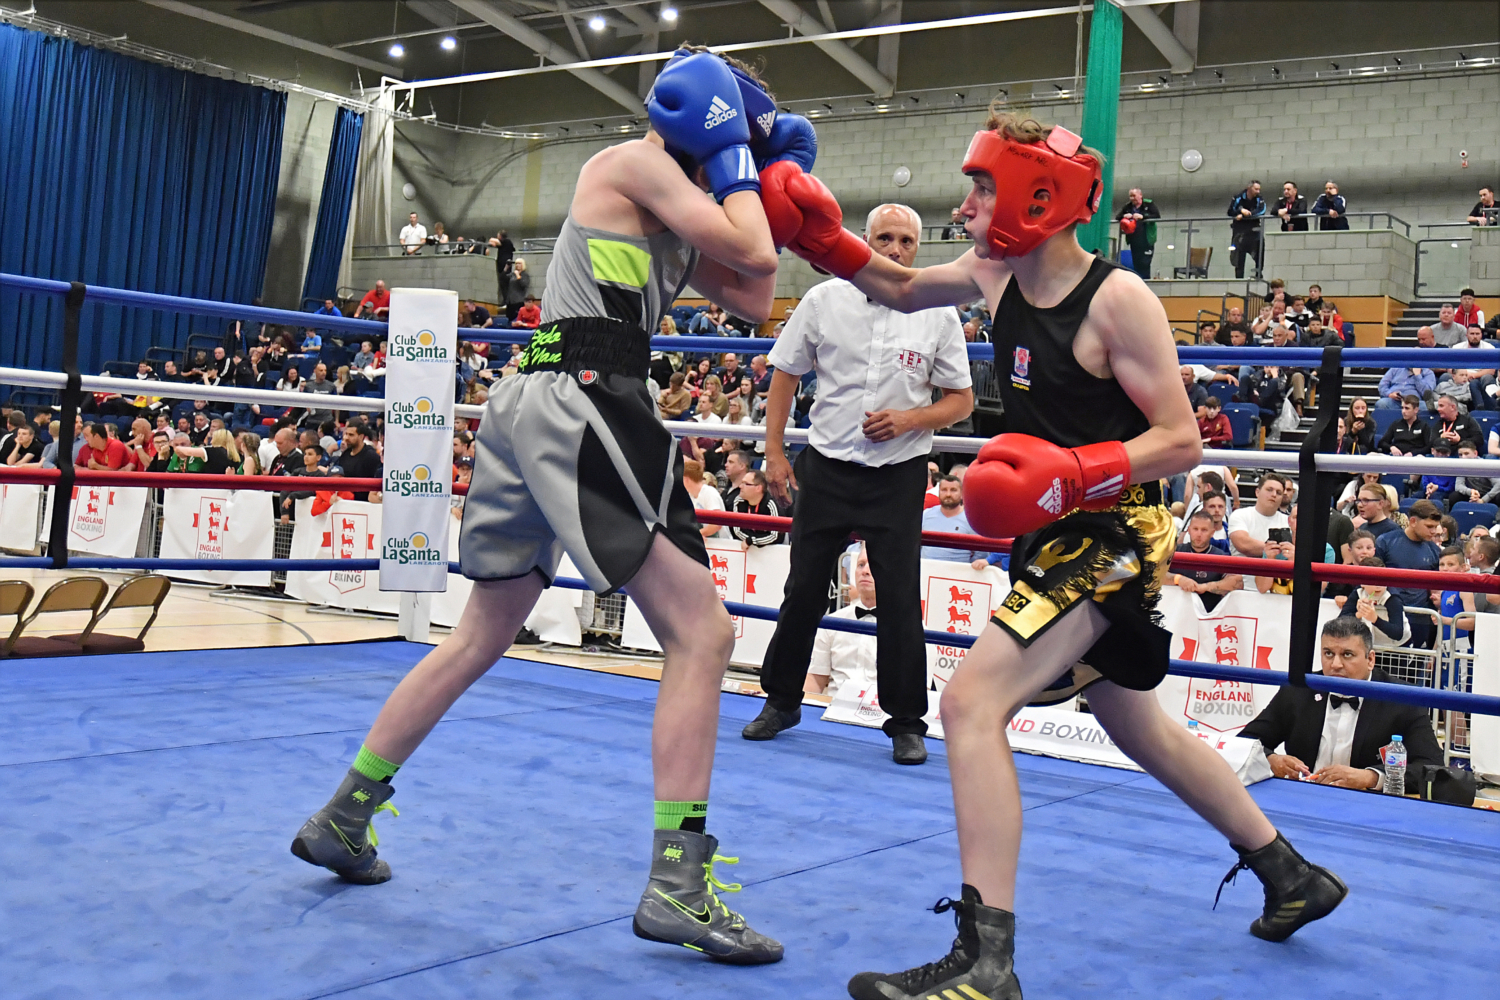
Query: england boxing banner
{"x": 20, "y": 510}
{"x": 1484, "y": 730}
{"x": 103, "y": 520}
{"x": 421, "y": 353}
{"x": 959, "y": 599}
{"x": 218, "y": 524}
{"x": 554, "y": 618}
{"x": 348, "y": 529}
{"x": 749, "y": 576}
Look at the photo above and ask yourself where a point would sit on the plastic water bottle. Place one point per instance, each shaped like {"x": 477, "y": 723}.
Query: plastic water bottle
{"x": 1394, "y": 753}
{"x": 1193, "y": 728}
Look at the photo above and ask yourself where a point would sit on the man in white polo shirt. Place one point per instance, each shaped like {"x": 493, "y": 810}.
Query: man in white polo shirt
{"x": 413, "y": 235}
{"x": 865, "y": 470}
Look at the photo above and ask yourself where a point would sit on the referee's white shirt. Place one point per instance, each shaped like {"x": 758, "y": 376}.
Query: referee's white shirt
{"x": 868, "y": 358}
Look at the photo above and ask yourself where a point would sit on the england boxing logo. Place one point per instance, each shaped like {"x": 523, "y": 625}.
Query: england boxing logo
{"x": 719, "y": 113}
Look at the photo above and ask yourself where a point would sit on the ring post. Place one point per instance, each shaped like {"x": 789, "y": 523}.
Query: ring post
{"x": 72, "y": 400}
{"x": 414, "y": 617}
{"x": 1312, "y": 514}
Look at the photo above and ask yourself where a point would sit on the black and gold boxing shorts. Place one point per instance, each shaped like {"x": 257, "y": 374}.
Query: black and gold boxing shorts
{"x": 1116, "y": 558}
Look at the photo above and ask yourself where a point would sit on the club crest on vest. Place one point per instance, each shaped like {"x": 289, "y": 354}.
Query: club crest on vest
{"x": 588, "y": 376}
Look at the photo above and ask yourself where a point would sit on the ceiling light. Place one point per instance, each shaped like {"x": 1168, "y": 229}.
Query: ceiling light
{"x": 597, "y": 23}
{"x": 397, "y": 50}
{"x": 669, "y": 14}
{"x": 449, "y": 43}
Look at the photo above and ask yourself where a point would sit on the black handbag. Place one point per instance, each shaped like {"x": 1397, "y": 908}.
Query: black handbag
{"x": 1452, "y": 785}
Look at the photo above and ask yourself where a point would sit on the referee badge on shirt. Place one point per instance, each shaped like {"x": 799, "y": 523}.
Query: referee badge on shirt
{"x": 1020, "y": 370}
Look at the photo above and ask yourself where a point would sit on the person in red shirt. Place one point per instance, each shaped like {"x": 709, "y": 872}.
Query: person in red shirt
{"x": 378, "y": 298}
{"x": 105, "y": 452}
{"x": 1213, "y": 426}
{"x": 1468, "y": 314}
{"x": 529, "y": 315}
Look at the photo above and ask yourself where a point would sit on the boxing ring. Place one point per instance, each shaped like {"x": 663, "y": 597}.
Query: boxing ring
{"x": 152, "y": 796}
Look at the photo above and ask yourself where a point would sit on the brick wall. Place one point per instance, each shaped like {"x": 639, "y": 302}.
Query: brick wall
{"x": 1484, "y": 261}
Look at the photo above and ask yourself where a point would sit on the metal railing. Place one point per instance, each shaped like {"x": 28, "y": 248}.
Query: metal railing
{"x": 1207, "y": 243}
{"x": 453, "y": 248}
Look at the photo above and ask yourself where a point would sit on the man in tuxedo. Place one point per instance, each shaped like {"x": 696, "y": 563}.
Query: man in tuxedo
{"x": 1335, "y": 740}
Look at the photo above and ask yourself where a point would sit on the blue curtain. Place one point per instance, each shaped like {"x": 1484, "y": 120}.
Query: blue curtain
{"x": 333, "y": 208}
{"x": 115, "y": 171}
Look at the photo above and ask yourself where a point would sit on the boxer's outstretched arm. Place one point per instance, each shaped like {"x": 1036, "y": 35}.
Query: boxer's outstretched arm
{"x": 909, "y": 289}
{"x": 1130, "y": 320}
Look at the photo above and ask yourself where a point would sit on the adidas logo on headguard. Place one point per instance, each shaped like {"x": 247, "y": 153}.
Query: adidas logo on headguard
{"x": 719, "y": 113}
{"x": 1051, "y": 501}
{"x": 766, "y": 120}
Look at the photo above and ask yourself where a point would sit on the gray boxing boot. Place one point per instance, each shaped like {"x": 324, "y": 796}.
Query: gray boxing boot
{"x": 978, "y": 967}
{"x": 341, "y": 836}
{"x": 680, "y": 906}
{"x": 1297, "y": 892}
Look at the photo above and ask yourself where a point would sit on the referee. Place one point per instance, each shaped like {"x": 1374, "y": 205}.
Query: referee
{"x": 865, "y": 471}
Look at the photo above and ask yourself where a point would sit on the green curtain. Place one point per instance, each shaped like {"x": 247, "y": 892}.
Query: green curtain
{"x": 1101, "y": 111}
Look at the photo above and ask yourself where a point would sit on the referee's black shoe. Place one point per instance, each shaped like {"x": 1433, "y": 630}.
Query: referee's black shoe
{"x": 908, "y": 748}
{"x": 771, "y": 721}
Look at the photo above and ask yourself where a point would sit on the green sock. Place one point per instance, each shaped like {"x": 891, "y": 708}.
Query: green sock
{"x": 374, "y": 767}
{"x": 689, "y": 816}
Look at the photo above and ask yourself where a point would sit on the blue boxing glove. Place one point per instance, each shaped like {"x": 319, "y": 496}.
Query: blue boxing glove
{"x": 792, "y": 138}
{"x": 695, "y": 106}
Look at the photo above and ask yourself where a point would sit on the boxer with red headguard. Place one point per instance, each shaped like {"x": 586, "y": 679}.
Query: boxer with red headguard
{"x": 1088, "y": 375}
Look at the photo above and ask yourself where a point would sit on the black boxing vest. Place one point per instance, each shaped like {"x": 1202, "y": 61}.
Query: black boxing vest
{"x": 1046, "y": 392}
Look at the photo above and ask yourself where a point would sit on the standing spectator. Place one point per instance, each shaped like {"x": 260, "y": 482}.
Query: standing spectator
{"x": 517, "y": 289}
{"x": 1330, "y": 208}
{"x": 1415, "y": 548}
{"x": 377, "y": 300}
{"x": 1139, "y": 231}
{"x": 1209, "y": 585}
{"x": 703, "y": 497}
{"x": 1292, "y": 209}
{"x": 505, "y": 254}
{"x": 1399, "y": 383}
{"x": 438, "y": 238}
{"x": 864, "y": 470}
{"x": 359, "y": 460}
{"x": 249, "y": 446}
{"x": 753, "y": 499}
{"x": 310, "y": 465}
{"x": 1446, "y": 332}
{"x": 1468, "y": 312}
{"x": 1485, "y": 212}
{"x": 219, "y": 455}
{"x": 1251, "y": 526}
{"x": 1246, "y": 211}
{"x": 1213, "y": 426}
{"x": 1411, "y": 435}
{"x": 947, "y": 517}
{"x": 413, "y": 235}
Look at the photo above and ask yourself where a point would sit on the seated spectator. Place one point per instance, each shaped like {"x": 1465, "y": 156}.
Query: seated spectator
{"x": 311, "y": 343}
{"x": 1375, "y": 509}
{"x": 1452, "y": 427}
{"x": 1399, "y": 383}
{"x": 1315, "y": 300}
{"x": 1213, "y": 426}
{"x": 1463, "y": 387}
{"x": 1441, "y": 490}
{"x": 840, "y": 658}
{"x": 1235, "y": 320}
{"x": 23, "y": 448}
{"x": 948, "y": 518}
{"x": 14, "y": 421}
{"x": 1415, "y": 547}
{"x": 529, "y": 316}
{"x": 1378, "y": 608}
{"x": 1208, "y": 334}
{"x": 703, "y": 497}
{"x": 1209, "y": 585}
{"x": 1216, "y": 506}
{"x": 1330, "y": 209}
{"x": 378, "y": 300}
{"x": 1197, "y": 395}
{"x": 106, "y": 453}
{"x": 1331, "y": 320}
{"x": 1468, "y": 312}
{"x": 286, "y": 503}
{"x": 1298, "y": 314}
{"x": 713, "y": 392}
{"x": 359, "y": 459}
{"x": 754, "y": 498}
{"x": 1342, "y": 737}
{"x": 220, "y": 370}
{"x": 1411, "y": 435}
{"x": 1475, "y": 488}
{"x": 1446, "y": 332}
{"x": 282, "y": 457}
{"x": 709, "y": 322}
{"x": 139, "y": 444}
{"x": 674, "y": 400}
{"x": 364, "y": 357}
{"x": 1359, "y": 429}
{"x": 1251, "y": 526}
{"x": 1317, "y": 336}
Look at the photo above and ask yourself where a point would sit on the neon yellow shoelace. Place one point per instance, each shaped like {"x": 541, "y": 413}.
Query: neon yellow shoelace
{"x": 714, "y": 883}
{"x": 383, "y": 807}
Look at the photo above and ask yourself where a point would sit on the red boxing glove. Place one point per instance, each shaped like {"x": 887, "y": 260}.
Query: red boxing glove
{"x": 1019, "y": 483}
{"x": 823, "y": 241}
{"x": 783, "y": 215}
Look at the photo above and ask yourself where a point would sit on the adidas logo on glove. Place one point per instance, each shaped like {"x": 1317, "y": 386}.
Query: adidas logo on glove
{"x": 719, "y": 113}
{"x": 765, "y": 121}
{"x": 1051, "y": 501}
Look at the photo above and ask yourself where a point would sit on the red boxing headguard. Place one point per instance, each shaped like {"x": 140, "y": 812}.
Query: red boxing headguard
{"x": 1041, "y": 188}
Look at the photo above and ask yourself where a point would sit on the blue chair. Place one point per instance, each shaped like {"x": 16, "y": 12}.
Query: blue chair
{"x": 1383, "y": 421}
{"x": 1472, "y": 515}
{"x": 1406, "y": 503}
{"x": 1394, "y": 481}
{"x": 1244, "y": 421}
{"x": 1487, "y": 420}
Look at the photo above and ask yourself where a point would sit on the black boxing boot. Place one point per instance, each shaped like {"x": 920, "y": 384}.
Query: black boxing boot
{"x": 978, "y": 967}
{"x": 1297, "y": 892}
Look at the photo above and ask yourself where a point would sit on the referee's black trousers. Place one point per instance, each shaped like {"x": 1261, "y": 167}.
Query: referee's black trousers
{"x": 884, "y": 505}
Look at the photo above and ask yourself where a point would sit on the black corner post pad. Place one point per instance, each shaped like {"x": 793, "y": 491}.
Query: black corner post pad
{"x": 1314, "y": 503}
{"x": 72, "y": 403}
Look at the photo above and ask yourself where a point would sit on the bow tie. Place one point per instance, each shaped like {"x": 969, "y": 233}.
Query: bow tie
{"x": 864, "y": 612}
{"x": 1337, "y": 700}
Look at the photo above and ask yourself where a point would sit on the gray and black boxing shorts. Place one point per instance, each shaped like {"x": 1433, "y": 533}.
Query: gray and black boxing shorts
{"x": 572, "y": 457}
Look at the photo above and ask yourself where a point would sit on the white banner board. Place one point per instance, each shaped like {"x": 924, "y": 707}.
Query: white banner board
{"x": 348, "y": 529}
{"x": 218, "y": 524}
{"x": 20, "y": 511}
{"x": 554, "y": 619}
{"x": 421, "y": 354}
{"x": 104, "y": 520}
{"x": 1484, "y": 730}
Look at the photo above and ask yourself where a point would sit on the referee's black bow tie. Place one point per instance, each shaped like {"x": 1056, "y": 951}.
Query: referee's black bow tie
{"x": 864, "y": 612}
{"x": 1335, "y": 700}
